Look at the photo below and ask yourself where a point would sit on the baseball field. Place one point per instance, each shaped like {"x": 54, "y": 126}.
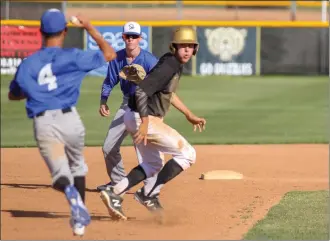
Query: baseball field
{"x": 273, "y": 130}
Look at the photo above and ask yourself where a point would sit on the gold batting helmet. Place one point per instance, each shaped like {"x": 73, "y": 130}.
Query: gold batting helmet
{"x": 184, "y": 35}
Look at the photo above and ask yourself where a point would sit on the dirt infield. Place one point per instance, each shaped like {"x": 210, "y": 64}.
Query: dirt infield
{"x": 157, "y": 14}
{"x": 195, "y": 209}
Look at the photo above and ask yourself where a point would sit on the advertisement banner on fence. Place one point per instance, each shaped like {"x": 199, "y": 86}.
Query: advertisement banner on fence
{"x": 113, "y": 35}
{"x": 226, "y": 51}
{"x": 17, "y": 43}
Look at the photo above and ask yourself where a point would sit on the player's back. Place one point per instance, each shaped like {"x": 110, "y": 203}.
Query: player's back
{"x": 52, "y": 77}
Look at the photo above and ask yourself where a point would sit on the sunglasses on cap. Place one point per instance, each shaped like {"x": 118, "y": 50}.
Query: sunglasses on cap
{"x": 133, "y": 36}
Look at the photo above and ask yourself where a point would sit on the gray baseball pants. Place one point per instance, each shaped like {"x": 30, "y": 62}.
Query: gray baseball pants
{"x": 61, "y": 138}
{"x": 111, "y": 150}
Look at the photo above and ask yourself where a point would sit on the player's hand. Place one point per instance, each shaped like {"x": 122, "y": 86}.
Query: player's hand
{"x": 104, "y": 110}
{"x": 197, "y": 122}
{"x": 82, "y": 21}
{"x": 141, "y": 134}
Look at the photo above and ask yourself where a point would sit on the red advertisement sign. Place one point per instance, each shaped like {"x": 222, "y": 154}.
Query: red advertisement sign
{"x": 17, "y": 42}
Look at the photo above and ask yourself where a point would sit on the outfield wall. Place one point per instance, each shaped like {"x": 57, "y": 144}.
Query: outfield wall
{"x": 226, "y": 48}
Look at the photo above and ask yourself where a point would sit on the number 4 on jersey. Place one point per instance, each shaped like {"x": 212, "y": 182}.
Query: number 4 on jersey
{"x": 46, "y": 77}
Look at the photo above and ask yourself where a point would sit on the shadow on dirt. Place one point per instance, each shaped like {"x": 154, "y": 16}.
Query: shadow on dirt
{"x": 34, "y": 186}
{"x": 45, "y": 214}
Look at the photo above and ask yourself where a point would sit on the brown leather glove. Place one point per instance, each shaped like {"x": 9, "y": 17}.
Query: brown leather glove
{"x": 134, "y": 73}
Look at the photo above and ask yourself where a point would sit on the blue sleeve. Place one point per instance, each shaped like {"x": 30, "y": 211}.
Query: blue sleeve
{"x": 151, "y": 62}
{"x": 14, "y": 87}
{"x": 110, "y": 81}
{"x": 89, "y": 60}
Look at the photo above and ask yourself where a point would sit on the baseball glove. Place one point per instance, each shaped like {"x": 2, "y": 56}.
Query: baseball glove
{"x": 134, "y": 73}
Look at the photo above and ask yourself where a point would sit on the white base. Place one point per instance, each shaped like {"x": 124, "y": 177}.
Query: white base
{"x": 221, "y": 175}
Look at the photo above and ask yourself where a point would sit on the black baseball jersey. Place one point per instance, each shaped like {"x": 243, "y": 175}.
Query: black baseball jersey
{"x": 153, "y": 94}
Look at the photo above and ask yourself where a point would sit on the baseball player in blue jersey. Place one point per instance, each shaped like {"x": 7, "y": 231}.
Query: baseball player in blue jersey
{"x": 131, "y": 55}
{"x": 50, "y": 81}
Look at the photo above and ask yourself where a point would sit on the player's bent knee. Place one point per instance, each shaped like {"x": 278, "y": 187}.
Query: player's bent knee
{"x": 61, "y": 183}
{"x": 188, "y": 157}
{"x": 109, "y": 151}
{"x": 79, "y": 169}
{"x": 193, "y": 155}
{"x": 106, "y": 150}
{"x": 190, "y": 154}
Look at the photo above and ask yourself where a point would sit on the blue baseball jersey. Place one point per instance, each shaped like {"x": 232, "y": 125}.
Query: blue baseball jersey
{"x": 145, "y": 59}
{"x": 51, "y": 78}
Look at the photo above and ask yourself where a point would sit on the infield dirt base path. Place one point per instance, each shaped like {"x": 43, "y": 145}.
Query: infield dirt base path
{"x": 195, "y": 209}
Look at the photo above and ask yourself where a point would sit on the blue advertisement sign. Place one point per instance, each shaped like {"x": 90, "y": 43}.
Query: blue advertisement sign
{"x": 113, "y": 35}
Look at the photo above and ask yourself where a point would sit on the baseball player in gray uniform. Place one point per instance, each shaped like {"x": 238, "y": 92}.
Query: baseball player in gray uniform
{"x": 50, "y": 81}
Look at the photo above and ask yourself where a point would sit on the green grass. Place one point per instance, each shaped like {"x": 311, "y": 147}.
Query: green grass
{"x": 239, "y": 110}
{"x": 299, "y": 216}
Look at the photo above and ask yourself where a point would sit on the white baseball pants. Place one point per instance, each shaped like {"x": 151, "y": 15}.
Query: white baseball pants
{"x": 162, "y": 139}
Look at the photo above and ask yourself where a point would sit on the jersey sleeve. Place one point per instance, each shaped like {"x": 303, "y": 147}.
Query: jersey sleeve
{"x": 151, "y": 62}
{"x": 159, "y": 76}
{"x": 89, "y": 60}
{"x": 110, "y": 81}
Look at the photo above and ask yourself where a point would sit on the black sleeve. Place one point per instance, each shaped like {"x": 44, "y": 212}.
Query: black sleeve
{"x": 141, "y": 99}
{"x": 160, "y": 75}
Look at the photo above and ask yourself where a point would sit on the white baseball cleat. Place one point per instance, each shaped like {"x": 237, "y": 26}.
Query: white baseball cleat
{"x": 77, "y": 228}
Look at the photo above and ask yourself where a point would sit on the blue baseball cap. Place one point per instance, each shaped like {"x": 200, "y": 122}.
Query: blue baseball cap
{"x": 52, "y": 21}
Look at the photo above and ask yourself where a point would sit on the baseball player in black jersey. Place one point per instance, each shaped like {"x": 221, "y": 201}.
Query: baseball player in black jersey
{"x": 152, "y": 137}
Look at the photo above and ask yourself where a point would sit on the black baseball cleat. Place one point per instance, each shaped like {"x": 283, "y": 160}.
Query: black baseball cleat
{"x": 151, "y": 203}
{"x": 113, "y": 203}
{"x": 103, "y": 187}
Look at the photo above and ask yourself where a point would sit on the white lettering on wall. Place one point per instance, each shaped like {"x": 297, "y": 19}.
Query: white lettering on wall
{"x": 226, "y": 69}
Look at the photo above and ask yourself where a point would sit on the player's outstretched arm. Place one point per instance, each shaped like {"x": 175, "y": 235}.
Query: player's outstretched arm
{"x": 195, "y": 120}
{"x": 108, "y": 52}
{"x": 179, "y": 105}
